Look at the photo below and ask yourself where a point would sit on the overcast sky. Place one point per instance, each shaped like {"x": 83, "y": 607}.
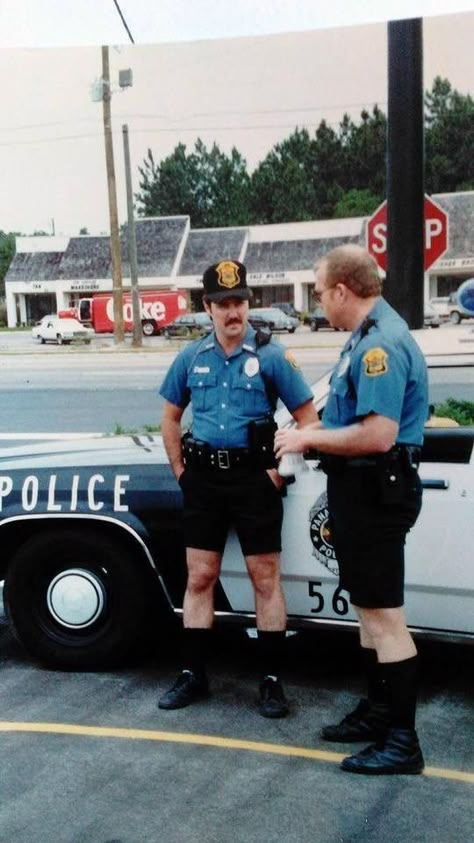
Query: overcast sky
{"x": 244, "y": 91}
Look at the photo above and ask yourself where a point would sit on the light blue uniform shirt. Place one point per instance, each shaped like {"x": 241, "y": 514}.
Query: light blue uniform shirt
{"x": 227, "y": 393}
{"x": 381, "y": 370}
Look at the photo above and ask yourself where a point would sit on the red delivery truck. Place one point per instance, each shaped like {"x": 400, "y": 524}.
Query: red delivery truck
{"x": 158, "y": 308}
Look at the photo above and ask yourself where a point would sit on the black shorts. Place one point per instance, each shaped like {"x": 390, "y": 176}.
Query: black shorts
{"x": 368, "y": 533}
{"x": 246, "y": 499}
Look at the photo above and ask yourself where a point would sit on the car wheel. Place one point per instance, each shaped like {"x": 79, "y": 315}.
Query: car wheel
{"x": 313, "y": 326}
{"x": 455, "y": 317}
{"x": 291, "y": 330}
{"x": 59, "y": 339}
{"x": 148, "y": 329}
{"x": 75, "y": 600}
{"x": 42, "y": 340}
{"x": 166, "y": 334}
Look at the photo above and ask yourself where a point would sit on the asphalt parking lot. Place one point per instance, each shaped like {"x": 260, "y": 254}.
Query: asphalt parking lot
{"x": 88, "y": 757}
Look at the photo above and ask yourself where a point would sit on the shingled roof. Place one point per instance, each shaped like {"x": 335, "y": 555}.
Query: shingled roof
{"x": 206, "y": 246}
{"x": 86, "y": 257}
{"x": 34, "y": 266}
{"x": 460, "y": 208}
{"x": 290, "y": 255}
{"x": 158, "y": 242}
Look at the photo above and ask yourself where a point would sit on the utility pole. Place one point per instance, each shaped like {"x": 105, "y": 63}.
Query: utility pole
{"x": 132, "y": 245}
{"x": 117, "y": 287}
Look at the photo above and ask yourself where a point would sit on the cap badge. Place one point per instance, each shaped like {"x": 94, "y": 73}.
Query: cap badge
{"x": 228, "y": 274}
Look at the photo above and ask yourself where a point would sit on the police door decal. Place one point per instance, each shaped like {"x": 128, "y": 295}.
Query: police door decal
{"x": 320, "y": 534}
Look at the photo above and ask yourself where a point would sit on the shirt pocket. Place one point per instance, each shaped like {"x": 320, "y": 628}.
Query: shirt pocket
{"x": 343, "y": 400}
{"x": 249, "y": 395}
{"x": 203, "y": 390}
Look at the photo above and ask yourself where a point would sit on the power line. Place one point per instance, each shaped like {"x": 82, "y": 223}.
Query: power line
{"x": 124, "y": 21}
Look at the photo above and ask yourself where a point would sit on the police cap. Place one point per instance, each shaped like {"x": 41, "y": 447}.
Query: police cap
{"x": 224, "y": 280}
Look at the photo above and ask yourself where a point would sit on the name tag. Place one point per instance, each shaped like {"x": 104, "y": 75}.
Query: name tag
{"x": 202, "y": 370}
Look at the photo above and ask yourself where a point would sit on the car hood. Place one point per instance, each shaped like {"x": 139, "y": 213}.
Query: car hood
{"x": 88, "y": 451}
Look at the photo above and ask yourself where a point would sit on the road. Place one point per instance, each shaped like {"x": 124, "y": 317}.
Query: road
{"x": 103, "y": 389}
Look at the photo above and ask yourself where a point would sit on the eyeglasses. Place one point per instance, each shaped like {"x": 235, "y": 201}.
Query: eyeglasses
{"x": 318, "y": 295}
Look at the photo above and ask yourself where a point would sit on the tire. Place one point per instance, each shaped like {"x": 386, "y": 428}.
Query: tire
{"x": 59, "y": 339}
{"x": 42, "y": 340}
{"x": 148, "y": 329}
{"x": 76, "y": 600}
{"x": 313, "y": 327}
{"x": 455, "y": 317}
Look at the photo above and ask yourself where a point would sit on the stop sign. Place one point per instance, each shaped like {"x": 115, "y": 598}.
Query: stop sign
{"x": 436, "y": 233}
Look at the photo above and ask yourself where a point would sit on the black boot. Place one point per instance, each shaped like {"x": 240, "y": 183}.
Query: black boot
{"x": 398, "y": 754}
{"x": 370, "y": 719}
{"x": 368, "y": 722}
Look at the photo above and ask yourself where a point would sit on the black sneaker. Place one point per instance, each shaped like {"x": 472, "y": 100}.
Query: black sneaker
{"x": 187, "y": 689}
{"x": 272, "y": 702}
{"x": 368, "y": 722}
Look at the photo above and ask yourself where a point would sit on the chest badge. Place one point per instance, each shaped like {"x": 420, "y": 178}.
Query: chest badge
{"x": 376, "y": 362}
{"x": 343, "y": 366}
{"x": 251, "y": 366}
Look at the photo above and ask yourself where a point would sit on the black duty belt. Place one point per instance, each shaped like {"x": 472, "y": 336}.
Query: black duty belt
{"x": 201, "y": 455}
{"x": 407, "y": 456}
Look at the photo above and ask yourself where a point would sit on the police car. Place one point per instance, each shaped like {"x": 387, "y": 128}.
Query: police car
{"x": 93, "y": 549}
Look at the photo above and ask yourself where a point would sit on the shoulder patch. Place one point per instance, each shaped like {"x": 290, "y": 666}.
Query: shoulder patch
{"x": 291, "y": 360}
{"x": 376, "y": 362}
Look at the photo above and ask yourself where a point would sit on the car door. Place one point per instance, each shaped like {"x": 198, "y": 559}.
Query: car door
{"x": 439, "y": 569}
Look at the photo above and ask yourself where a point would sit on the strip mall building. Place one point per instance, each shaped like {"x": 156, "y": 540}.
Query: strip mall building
{"x": 49, "y": 274}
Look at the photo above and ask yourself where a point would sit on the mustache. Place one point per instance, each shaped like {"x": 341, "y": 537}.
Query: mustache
{"x": 233, "y": 320}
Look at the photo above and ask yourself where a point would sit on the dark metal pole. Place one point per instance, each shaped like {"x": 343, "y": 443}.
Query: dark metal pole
{"x": 132, "y": 245}
{"x": 405, "y": 171}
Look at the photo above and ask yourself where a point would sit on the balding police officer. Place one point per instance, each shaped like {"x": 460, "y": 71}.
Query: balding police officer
{"x": 369, "y": 441}
{"x": 226, "y": 470}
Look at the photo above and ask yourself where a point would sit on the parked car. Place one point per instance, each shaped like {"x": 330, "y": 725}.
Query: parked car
{"x": 93, "y": 549}
{"x": 287, "y": 307}
{"x": 441, "y": 305}
{"x": 189, "y": 325}
{"x": 430, "y": 317}
{"x": 61, "y": 331}
{"x": 316, "y": 320}
{"x": 275, "y": 318}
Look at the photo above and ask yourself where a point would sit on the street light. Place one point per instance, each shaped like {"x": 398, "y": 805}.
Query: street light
{"x": 101, "y": 90}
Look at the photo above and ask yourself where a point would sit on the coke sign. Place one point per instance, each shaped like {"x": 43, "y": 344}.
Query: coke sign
{"x": 436, "y": 233}
{"x": 149, "y": 310}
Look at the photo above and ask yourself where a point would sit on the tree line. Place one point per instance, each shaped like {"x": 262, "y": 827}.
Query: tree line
{"x": 334, "y": 173}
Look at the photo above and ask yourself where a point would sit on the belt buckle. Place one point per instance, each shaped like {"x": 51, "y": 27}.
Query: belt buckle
{"x": 223, "y": 460}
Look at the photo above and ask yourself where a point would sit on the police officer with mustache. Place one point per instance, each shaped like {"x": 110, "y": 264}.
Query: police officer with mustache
{"x": 227, "y": 471}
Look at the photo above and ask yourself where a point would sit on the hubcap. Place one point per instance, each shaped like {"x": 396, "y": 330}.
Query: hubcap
{"x": 76, "y": 598}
